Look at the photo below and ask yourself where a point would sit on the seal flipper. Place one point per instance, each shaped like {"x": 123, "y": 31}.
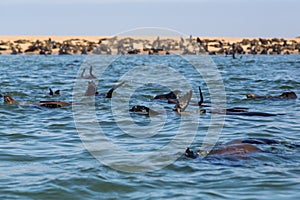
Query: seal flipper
{"x": 51, "y": 92}
{"x": 183, "y": 102}
{"x": 82, "y": 73}
{"x": 57, "y": 92}
{"x": 91, "y": 73}
{"x": 92, "y": 89}
{"x": 171, "y": 96}
{"x": 200, "y": 103}
{"x": 91, "y": 76}
{"x": 201, "y": 97}
{"x": 109, "y": 93}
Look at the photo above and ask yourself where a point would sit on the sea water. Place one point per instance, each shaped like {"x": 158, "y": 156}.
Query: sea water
{"x": 43, "y": 155}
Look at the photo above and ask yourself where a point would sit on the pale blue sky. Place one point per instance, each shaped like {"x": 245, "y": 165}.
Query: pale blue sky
{"x": 228, "y": 18}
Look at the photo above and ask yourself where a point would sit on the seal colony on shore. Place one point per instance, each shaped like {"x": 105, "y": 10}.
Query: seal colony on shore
{"x": 47, "y": 45}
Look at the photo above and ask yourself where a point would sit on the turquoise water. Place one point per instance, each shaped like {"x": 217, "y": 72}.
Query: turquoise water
{"x": 43, "y": 157}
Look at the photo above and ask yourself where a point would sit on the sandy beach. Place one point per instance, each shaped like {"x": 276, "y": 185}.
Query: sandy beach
{"x": 146, "y": 45}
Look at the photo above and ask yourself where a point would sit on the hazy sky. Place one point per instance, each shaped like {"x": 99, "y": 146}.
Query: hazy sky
{"x": 231, "y": 18}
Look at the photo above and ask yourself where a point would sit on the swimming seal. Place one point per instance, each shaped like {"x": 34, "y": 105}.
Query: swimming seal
{"x": 143, "y": 110}
{"x": 53, "y": 104}
{"x": 284, "y": 95}
{"x": 48, "y": 104}
{"x": 238, "y": 147}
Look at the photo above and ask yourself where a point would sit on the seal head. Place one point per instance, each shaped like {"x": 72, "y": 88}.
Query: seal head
{"x": 10, "y": 100}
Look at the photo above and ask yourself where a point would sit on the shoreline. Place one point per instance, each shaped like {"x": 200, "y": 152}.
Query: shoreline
{"x": 59, "y": 45}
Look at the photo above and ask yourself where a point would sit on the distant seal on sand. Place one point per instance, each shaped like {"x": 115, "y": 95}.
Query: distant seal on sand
{"x": 235, "y": 148}
{"x": 48, "y": 104}
{"x": 285, "y": 95}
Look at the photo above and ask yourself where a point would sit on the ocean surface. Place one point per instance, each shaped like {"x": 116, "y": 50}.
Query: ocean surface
{"x": 96, "y": 149}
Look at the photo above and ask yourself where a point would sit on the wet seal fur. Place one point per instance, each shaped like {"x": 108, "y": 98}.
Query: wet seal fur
{"x": 143, "y": 110}
{"x": 238, "y": 148}
{"x": 47, "y": 104}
